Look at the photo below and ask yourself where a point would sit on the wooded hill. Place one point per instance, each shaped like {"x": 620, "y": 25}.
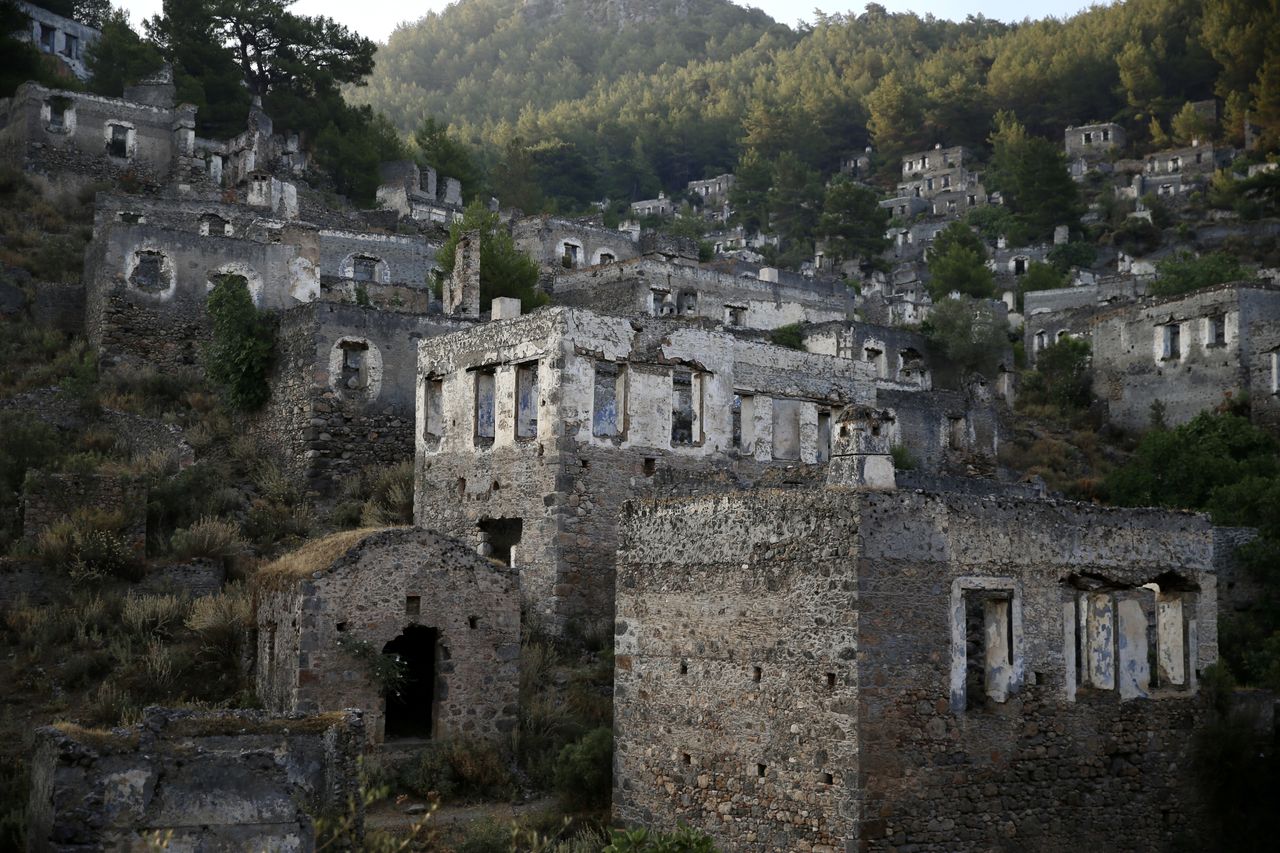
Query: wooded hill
{"x": 589, "y": 99}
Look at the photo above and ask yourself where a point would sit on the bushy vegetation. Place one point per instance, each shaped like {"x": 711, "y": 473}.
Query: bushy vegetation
{"x": 1186, "y": 272}
{"x": 970, "y": 338}
{"x": 458, "y": 769}
{"x": 504, "y": 269}
{"x": 1062, "y": 377}
{"x": 239, "y": 357}
{"x": 790, "y": 336}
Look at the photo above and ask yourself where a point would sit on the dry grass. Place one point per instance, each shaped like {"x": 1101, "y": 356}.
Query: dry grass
{"x": 103, "y": 740}
{"x": 310, "y": 558}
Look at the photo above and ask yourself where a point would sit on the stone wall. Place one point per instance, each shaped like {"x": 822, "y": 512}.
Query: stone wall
{"x": 544, "y": 238}
{"x": 1238, "y": 588}
{"x": 342, "y": 389}
{"x": 48, "y": 498}
{"x": 188, "y": 780}
{"x": 794, "y": 671}
{"x": 371, "y": 593}
{"x": 1188, "y": 352}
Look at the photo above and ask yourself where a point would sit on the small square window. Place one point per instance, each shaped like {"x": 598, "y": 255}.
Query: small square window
{"x": 473, "y": 622}
{"x": 756, "y": 674}
{"x": 412, "y": 605}
{"x": 761, "y": 770}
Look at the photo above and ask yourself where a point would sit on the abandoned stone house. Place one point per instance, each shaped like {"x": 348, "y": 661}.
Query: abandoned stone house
{"x": 58, "y": 36}
{"x": 888, "y": 670}
{"x": 740, "y": 296}
{"x": 1089, "y": 145}
{"x": 533, "y": 432}
{"x": 419, "y": 194}
{"x": 1051, "y": 315}
{"x": 939, "y": 183}
{"x": 1188, "y": 352}
{"x": 450, "y": 616}
{"x": 562, "y": 244}
{"x": 661, "y": 207}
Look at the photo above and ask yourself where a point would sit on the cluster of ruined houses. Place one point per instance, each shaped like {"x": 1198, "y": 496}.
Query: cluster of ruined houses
{"x": 817, "y": 647}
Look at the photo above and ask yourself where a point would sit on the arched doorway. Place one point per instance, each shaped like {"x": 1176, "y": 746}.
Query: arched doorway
{"x": 411, "y": 709}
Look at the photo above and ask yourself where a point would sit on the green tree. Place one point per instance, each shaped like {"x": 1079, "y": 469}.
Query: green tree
{"x": 1266, "y": 99}
{"x": 120, "y": 58}
{"x": 1189, "y": 125}
{"x": 449, "y": 157}
{"x": 504, "y": 269}
{"x": 958, "y": 263}
{"x": 352, "y": 146}
{"x": 239, "y": 357}
{"x": 1062, "y": 376}
{"x": 969, "y": 336}
{"x": 853, "y": 222}
{"x": 749, "y": 197}
{"x": 515, "y": 178}
{"x": 1031, "y": 175}
{"x": 1185, "y": 272}
{"x": 1040, "y": 277}
{"x": 793, "y": 201}
{"x": 1064, "y": 256}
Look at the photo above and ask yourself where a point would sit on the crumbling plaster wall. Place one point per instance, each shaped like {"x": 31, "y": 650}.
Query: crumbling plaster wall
{"x": 474, "y": 604}
{"x": 1164, "y": 350}
{"x": 409, "y": 260}
{"x": 543, "y": 238}
{"x": 845, "y": 600}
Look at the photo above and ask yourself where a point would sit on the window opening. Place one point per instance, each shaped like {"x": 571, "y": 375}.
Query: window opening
{"x": 609, "y": 400}
{"x": 47, "y": 37}
{"x": 1171, "y": 344}
{"x": 527, "y": 400}
{"x": 1217, "y": 330}
{"x": 786, "y": 429}
{"x": 824, "y": 436}
{"x": 58, "y": 108}
{"x": 504, "y": 535}
{"x": 1019, "y": 265}
{"x": 410, "y": 706}
{"x": 148, "y": 272}
{"x": 118, "y": 146}
{"x": 70, "y": 46}
{"x": 484, "y": 406}
{"x": 955, "y": 433}
{"x": 433, "y": 425}
{"x": 688, "y": 302}
{"x": 686, "y": 404}
{"x": 364, "y": 268}
{"x": 355, "y": 373}
{"x": 606, "y": 258}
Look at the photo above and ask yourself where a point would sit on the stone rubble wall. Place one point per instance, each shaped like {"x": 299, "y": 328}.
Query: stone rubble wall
{"x": 220, "y": 780}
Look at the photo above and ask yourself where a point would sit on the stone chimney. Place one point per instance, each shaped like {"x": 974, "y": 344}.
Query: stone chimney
{"x": 462, "y": 289}
{"x": 861, "y": 456}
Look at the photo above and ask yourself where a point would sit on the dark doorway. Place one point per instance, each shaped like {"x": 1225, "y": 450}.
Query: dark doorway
{"x": 411, "y": 709}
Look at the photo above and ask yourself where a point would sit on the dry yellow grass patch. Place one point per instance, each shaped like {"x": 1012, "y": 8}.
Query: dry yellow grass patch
{"x": 310, "y": 558}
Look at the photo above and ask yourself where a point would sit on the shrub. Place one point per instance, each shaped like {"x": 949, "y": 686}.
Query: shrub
{"x": 240, "y": 355}
{"x": 222, "y": 624}
{"x": 584, "y": 770}
{"x": 683, "y": 840}
{"x": 1185, "y": 272}
{"x": 209, "y": 539}
{"x": 390, "y": 501}
{"x": 486, "y": 836}
{"x": 790, "y": 336}
{"x": 148, "y": 616}
{"x": 902, "y": 458}
{"x": 460, "y": 768}
{"x": 88, "y": 547}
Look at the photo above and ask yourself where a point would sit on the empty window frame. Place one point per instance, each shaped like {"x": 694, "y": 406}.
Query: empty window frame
{"x": 59, "y": 113}
{"x": 364, "y": 268}
{"x": 149, "y": 272}
{"x": 1215, "y": 331}
{"x": 355, "y": 368}
{"x": 957, "y": 432}
{"x": 572, "y": 252}
{"x": 986, "y": 641}
{"x": 606, "y": 258}
{"x": 433, "y": 410}
{"x": 48, "y": 38}
{"x": 118, "y": 141}
{"x": 686, "y": 407}
{"x": 1170, "y": 341}
{"x": 1130, "y": 640}
{"x": 687, "y": 304}
{"x": 70, "y": 46}
{"x": 786, "y": 428}
{"x": 743, "y": 417}
{"x": 527, "y": 400}
{"x": 735, "y": 315}
{"x": 484, "y": 406}
{"x": 823, "y": 450}
{"x": 608, "y": 404}
{"x": 875, "y": 356}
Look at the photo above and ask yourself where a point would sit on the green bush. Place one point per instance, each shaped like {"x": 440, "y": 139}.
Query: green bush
{"x": 1062, "y": 378}
{"x": 239, "y": 357}
{"x": 89, "y": 548}
{"x": 584, "y": 771}
{"x": 790, "y": 336}
{"x": 902, "y": 458}
{"x": 458, "y": 768}
{"x": 683, "y": 840}
{"x": 208, "y": 539}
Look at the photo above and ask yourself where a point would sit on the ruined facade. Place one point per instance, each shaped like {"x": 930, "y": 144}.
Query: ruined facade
{"x": 659, "y": 286}
{"x": 533, "y": 432}
{"x": 58, "y": 36}
{"x": 420, "y": 195}
{"x": 857, "y": 670}
{"x": 939, "y": 182}
{"x": 561, "y": 244}
{"x": 451, "y": 617}
{"x": 1189, "y": 352}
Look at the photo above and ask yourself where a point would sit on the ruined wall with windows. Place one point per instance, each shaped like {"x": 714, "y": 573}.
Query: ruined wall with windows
{"x": 57, "y": 36}
{"x": 1188, "y": 352}
{"x": 533, "y": 432}
{"x": 898, "y": 357}
{"x": 654, "y": 286}
{"x": 74, "y": 138}
{"x": 560, "y": 244}
{"x": 450, "y": 616}
{"x": 342, "y": 389}
{"x": 968, "y": 676}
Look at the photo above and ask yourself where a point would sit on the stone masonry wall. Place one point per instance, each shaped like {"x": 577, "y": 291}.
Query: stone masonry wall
{"x": 735, "y": 688}
{"x": 474, "y": 603}
{"x": 187, "y": 780}
{"x": 851, "y": 733}
{"x": 48, "y": 498}
{"x": 1057, "y": 766}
